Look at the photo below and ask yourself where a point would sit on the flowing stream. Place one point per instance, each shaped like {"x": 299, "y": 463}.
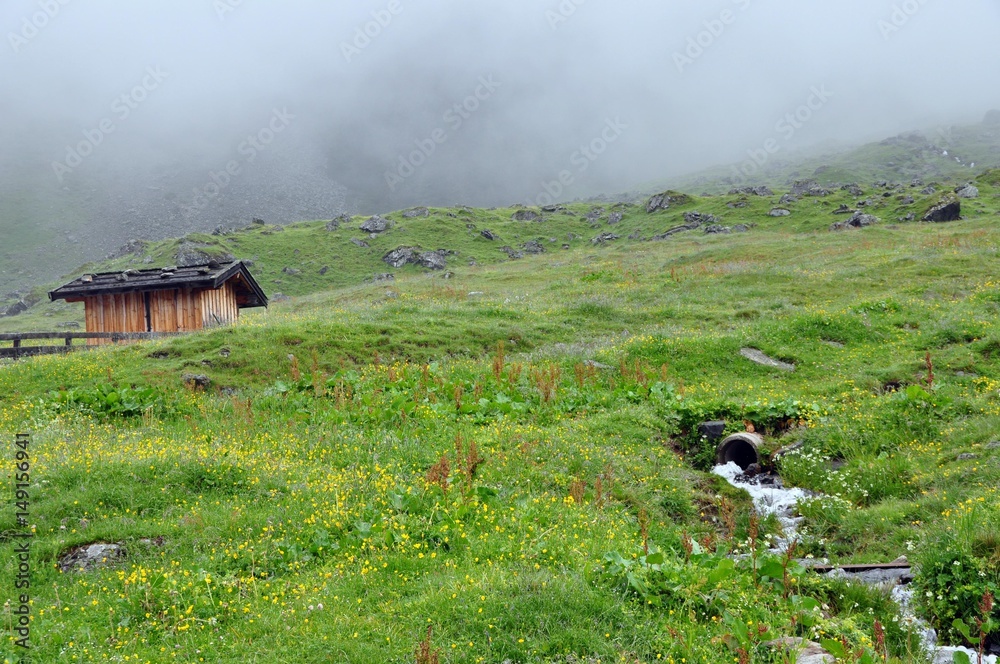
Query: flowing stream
{"x": 771, "y": 497}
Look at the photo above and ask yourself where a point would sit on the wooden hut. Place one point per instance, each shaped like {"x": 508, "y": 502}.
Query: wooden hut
{"x": 170, "y": 299}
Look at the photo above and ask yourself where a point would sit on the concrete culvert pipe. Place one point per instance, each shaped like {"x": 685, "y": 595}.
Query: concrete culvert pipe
{"x": 742, "y": 449}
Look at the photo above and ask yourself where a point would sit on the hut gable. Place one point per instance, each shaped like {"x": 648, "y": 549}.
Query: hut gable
{"x": 172, "y": 299}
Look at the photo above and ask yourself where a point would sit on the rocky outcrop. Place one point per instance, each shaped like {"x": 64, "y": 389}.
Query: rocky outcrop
{"x": 752, "y": 191}
{"x": 527, "y": 215}
{"x": 857, "y": 220}
{"x": 375, "y": 225}
{"x": 665, "y": 200}
{"x": 432, "y": 260}
{"x": 947, "y": 210}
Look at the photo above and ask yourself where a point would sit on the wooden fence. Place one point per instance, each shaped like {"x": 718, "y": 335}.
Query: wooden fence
{"x": 20, "y": 350}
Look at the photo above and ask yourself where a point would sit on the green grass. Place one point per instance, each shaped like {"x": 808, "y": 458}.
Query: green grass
{"x": 330, "y": 462}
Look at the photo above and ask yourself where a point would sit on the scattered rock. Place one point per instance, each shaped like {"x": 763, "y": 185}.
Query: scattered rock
{"x": 134, "y": 247}
{"x": 929, "y": 190}
{"x": 604, "y": 238}
{"x": 806, "y": 652}
{"x": 189, "y": 254}
{"x": 742, "y": 228}
{"x": 615, "y": 218}
{"x": 759, "y": 357}
{"x": 280, "y": 297}
{"x": 716, "y": 229}
{"x": 664, "y": 200}
{"x": 197, "y": 381}
{"x": 853, "y": 189}
{"x": 742, "y": 203}
{"x": 527, "y": 215}
{"x": 432, "y": 260}
{"x": 417, "y": 213}
{"x": 337, "y": 222}
{"x": 291, "y": 271}
{"x": 533, "y": 247}
{"x": 16, "y": 309}
{"x": 808, "y": 188}
{"x": 375, "y": 225}
{"x": 91, "y": 556}
{"x": 490, "y": 235}
{"x": 751, "y": 191}
{"x": 844, "y": 209}
{"x": 514, "y": 255}
{"x": 858, "y": 220}
{"x": 323, "y": 270}
{"x": 359, "y": 243}
{"x": 968, "y": 191}
{"x": 225, "y": 352}
{"x": 385, "y": 276}
{"x": 949, "y": 210}
{"x": 712, "y": 430}
{"x": 779, "y": 212}
{"x": 995, "y": 445}
{"x": 966, "y": 457}
{"x": 70, "y": 325}
{"x": 697, "y": 218}
{"x": 554, "y": 208}
{"x": 788, "y": 199}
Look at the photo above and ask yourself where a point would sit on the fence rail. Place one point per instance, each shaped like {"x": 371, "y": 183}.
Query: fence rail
{"x": 20, "y": 350}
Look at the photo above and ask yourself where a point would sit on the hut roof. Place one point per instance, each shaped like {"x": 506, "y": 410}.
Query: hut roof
{"x": 209, "y": 276}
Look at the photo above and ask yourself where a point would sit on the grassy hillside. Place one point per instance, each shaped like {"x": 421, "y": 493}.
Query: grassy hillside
{"x": 506, "y": 462}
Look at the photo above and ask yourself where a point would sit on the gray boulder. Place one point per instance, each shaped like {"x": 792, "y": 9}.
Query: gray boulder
{"x": 16, "y": 309}
{"x": 664, "y": 200}
{"x": 779, "y": 212}
{"x": 949, "y": 210}
{"x": 751, "y": 191}
{"x": 199, "y": 381}
{"x": 533, "y": 247}
{"x": 604, "y": 238}
{"x": 527, "y": 215}
{"x": 968, "y": 191}
{"x": 91, "y": 556}
{"x": 416, "y": 213}
{"x": 490, "y": 235}
{"x": 375, "y": 225}
{"x": 335, "y": 223}
{"x": 857, "y": 220}
{"x": 399, "y": 257}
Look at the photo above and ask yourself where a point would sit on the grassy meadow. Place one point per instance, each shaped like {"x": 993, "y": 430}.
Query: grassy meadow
{"x": 504, "y": 465}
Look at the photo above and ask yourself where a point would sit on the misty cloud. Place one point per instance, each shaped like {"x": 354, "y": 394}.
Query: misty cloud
{"x": 370, "y": 83}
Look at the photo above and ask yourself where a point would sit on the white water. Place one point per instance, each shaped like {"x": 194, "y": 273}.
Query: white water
{"x": 779, "y": 501}
{"x": 769, "y": 499}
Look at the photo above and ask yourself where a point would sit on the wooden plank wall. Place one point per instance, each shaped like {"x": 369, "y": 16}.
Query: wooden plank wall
{"x": 219, "y": 306}
{"x": 176, "y": 310}
{"x": 125, "y": 312}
